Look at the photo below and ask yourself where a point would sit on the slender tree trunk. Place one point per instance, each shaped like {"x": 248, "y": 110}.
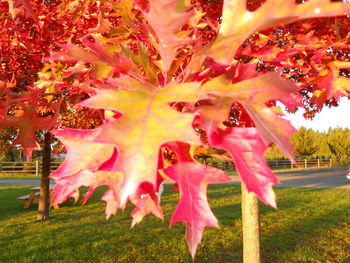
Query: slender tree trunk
{"x": 251, "y": 227}
{"x": 44, "y": 201}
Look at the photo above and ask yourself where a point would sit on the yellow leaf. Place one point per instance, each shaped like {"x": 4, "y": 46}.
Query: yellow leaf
{"x": 124, "y": 10}
{"x": 50, "y": 89}
{"x": 318, "y": 93}
{"x": 323, "y": 72}
{"x": 102, "y": 70}
{"x": 147, "y": 123}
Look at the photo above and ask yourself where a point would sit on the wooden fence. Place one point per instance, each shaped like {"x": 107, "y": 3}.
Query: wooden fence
{"x": 35, "y": 167}
{"x": 283, "y": 164}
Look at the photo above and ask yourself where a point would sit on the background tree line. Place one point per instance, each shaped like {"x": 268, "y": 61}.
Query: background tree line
{"x": 335, "y": 143}
{"x": 10, "y": 153}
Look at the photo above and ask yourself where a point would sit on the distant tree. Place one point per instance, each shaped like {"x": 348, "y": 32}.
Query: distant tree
{"x": 338, "y": 142}
{"x": 7, "y": 152}
{"x": 305, "y": 142}
{"x": 323, "y": 151}
{"x": 274, "y": 153}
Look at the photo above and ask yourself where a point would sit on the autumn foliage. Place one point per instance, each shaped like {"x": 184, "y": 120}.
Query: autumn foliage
{"x": 126, "y": 84}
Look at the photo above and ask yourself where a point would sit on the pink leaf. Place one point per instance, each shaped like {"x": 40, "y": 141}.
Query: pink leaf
{"x": 87, "y": 164}
{"x": 146, "y": 205}
{"x": 331, "y": 85}
{"x": 104, "y": 60}
{"x": 68, "y": 187}
{"x": 193, "y": 209}
{"x": 247, "y": 151}
{"x": 238, "y": 23}
{"x": 16, "y": 5}
{"x": 28, "y": 121}
{"x": 166, "y": 22}
{"x": 272, "y": 127}
{"x": 147, "y": 122}
{"x": 253, "y": 94}
{"x": 82, "y": 152}
{"x": 110, "y": 197}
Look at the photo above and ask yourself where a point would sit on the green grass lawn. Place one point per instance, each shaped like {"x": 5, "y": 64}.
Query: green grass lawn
{"x": 18, "y": 176}
{"x": 311, "y": 225}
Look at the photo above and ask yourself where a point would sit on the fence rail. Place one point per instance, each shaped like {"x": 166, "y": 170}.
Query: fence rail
{"x": 283, "y": 164}
{"x": 25, "y": 167}
{"x": 36, "y": 166}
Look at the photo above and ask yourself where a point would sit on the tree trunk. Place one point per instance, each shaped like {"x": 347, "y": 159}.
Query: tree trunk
{"x": 251, "y": 227}
{"x": 44, "y": 201}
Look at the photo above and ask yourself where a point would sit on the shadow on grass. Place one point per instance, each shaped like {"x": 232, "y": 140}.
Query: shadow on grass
{"x": 308, "y": 226}
{"x": 308, "y": 223}
{"x": 10, "y": 206}
{"x": 291, "y": 239}
{"x": 299, "y": 231}
{"x": 9, "y": 203}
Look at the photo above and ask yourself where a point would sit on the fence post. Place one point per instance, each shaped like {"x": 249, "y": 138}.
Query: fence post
{"x": 291, "y": 165}
{"x": 305, "y": 163}
{"x": 277, "y": 163}
{"x": 36, "y": 168}
{"x": 330, "y": 162}
{"x": 318, "y": 163}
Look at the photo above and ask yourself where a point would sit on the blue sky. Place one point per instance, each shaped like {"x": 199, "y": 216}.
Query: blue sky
{"x": 328, "y": 117}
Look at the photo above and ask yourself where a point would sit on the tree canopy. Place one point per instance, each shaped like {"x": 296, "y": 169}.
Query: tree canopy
{"x": 120, "y": 83}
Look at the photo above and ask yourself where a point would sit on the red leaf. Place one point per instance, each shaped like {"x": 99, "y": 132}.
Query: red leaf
{"x": 68, "y": 186}
{"x": 331, "y": 85}
{"x": 28, "y": 120}
{"x": 193, "y": 209}
{"x": 166, "y": 22}
{"x": 247, "y": 151}
{"x": 252, "y": 94}
{"x": 87, "y": 164}
{"x": 144, "y": 206}
{"x": 147, "y": 122}
{"x": 238, "y": 23}
{"x": 82, "y": 152}
{"x": 15, "y": 8}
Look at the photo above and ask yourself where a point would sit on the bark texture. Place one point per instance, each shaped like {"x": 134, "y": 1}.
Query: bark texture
{"x": 251, "y": 227}
{"x": 44, "y": 201}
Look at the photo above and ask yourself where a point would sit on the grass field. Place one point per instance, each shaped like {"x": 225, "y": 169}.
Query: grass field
{"x": 311, "y": 225}
{"x": 231, "y": 173}
{"x": 18, "y": 176}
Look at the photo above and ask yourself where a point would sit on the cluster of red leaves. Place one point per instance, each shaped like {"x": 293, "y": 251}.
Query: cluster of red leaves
{"x": 313, "y": 53}
{"x": 26, "y": 39}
